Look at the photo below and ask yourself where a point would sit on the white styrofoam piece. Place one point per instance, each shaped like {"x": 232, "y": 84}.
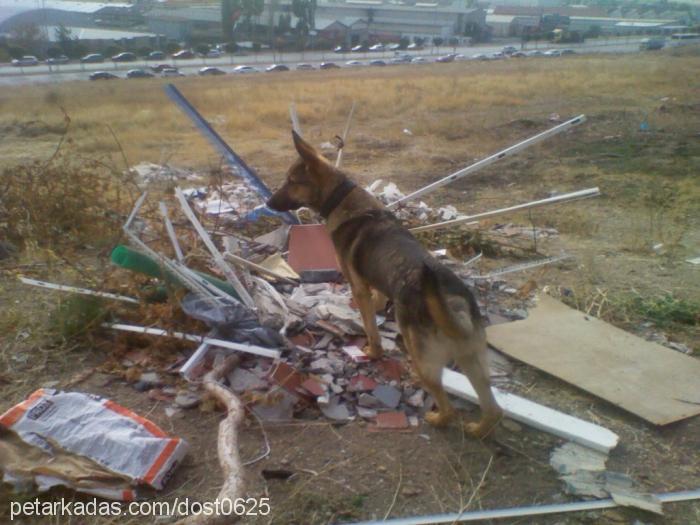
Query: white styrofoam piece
{"x": 536, "y": 415}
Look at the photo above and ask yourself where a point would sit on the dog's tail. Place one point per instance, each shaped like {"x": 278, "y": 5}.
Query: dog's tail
{"x": 437, "y": 306}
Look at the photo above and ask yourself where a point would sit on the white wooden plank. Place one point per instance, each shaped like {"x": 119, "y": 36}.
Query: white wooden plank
{"x": 536, "y": 415}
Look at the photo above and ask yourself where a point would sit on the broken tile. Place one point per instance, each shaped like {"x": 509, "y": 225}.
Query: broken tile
{"x": 368, "y": 401}
{"x": 392, "y": 420}
{"x": 242, "y": 380}
{"x": 387, "y": 395}
{"x": 356, "y": 354}
{"x": 361, "y": 383}
{"x": 417, "y": 399}
{"x": 277, "y": 407}
{"x": 287, "y": 377}
{"x": 390, "y": 369}
{"x": 366, "y": 413}
{"x": 314, "y": 387}
{"x": 336, "y": 410}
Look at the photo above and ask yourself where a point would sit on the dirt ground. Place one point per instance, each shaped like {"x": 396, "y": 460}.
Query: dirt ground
{"x": 346, "y": 473}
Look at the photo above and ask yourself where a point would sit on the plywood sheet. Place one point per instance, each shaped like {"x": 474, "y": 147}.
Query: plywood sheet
{"x": 651, "y": 381}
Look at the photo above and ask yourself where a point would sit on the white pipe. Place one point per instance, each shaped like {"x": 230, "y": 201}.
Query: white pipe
{"x": 493, "y": 158}
{"x": 581, "y": 194}
{"x": 171, "y": 231}
{"x": 535, "y": 510}
{"x": 251, "y": 349}
{"x": 216, "y": 254}
{"x": 73, "y": 289}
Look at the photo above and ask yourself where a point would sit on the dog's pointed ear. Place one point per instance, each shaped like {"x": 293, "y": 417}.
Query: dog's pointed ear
{"x": 306, "y": 151}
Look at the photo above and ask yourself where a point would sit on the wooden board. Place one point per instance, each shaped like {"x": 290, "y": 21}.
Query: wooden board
{"x": 651, "y": 381}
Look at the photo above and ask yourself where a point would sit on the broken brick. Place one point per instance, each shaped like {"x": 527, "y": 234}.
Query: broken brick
{"x": 361, "y": 383}
{"x": 392, "y": 420}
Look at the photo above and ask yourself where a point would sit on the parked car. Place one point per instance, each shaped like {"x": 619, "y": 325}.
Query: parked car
{"x": 26, "y": 60}
{"x": 518, "y": 54}
{"x": 340, "y": 49}
{"x": 393, "y": 47}
{"x": 652, "y": 44}
{"x": 552, "y": 53}
{"x": 305, "y": 67}
{"x": 377, "y": 47}
{"x": 534, "y": 53}
{"x": 214, "y": 53}
{"x": 360, "y": 48}
{"x": 183, "y": 55}
{"x": 102, "y": 75}
{"x": 61, "y": 59}
{"x": 419, "y": 60}
{"x": 126, "y": 56}
{"x": 377, "y": 63}
{"x": 156, "y": 55}
{"x": 329, "y": 65}
{"x": 276, "y": 68}
{"x": 480, "y": 56}
{"x": 244, "y": 69}
{"x": 509, "y": 50}
{"x": 401, "y": 59}
{"x": 415, "y": 47}
{"x": 158, "y": 68}
{"x": 138, "y": 73}
{"x": 497, "y": 56}
{"x": 210, "y": 71}
{"x": 92, "y": 58}
{"x": 568, "y": 52}
{"x": 171, "y": 72}
{"x": 354, "y": 63}
{"x": 445, "y": 59}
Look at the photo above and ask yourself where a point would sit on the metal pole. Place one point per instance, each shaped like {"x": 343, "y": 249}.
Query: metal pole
{"x": 492, "y": 159}
{"x": 581, "y": 194}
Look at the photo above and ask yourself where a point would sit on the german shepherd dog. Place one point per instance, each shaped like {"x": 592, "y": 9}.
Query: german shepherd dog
{"x": 436, "y": 313}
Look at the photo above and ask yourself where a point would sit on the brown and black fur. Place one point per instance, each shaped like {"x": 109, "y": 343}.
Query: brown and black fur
{"x": 437, "y": 314}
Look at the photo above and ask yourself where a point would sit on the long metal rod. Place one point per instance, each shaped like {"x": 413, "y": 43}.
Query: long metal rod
{"x": 522, "y": 267}
{"x": 216, "y": 254}
{"x": 187, "y": 277}
{"x": 567, "y": 197}
{"x": 171, "y": 231}
{"x": 251, "y": 349}
{"x": 516, "y": 148}
{"x": 232, "y": 158}
{"x": 81, "y": 291}
{"x": 344, "y": 136}
{"x": 535, "y": 510}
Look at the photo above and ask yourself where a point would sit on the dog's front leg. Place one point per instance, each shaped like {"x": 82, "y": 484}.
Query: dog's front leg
{"x": 365, "y": 301}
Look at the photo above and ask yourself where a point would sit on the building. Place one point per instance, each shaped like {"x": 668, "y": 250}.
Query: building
{"x": 15, "y": 14}
{"x": 338, "y": 21}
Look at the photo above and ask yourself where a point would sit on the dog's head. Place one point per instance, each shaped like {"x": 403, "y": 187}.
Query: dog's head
{"x": 307, "y": 180}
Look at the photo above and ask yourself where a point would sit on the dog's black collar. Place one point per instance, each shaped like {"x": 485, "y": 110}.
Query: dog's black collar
{"x": 336, "y": 197}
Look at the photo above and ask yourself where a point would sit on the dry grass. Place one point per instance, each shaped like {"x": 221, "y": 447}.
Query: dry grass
{"x": 468, "y": 103}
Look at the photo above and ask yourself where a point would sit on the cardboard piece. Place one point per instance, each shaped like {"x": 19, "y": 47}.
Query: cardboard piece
{"x": 653, "y": 382}
{"x": 311, "y": 248}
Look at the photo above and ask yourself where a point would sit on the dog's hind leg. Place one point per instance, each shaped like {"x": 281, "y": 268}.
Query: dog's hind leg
{"x": 474, "y": 363}
{"x": 428, "y": 364}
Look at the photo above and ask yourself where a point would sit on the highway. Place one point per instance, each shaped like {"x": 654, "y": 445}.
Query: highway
{"x": 42, "y": 74}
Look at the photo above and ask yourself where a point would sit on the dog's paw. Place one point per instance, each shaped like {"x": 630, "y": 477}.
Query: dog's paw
{"x": 375, "y": 352}
{"x": 437, "y": 418}
{"x": 479, "y": 430}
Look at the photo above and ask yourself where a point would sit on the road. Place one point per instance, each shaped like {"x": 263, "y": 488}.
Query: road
{"x": 41, "y": 74}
